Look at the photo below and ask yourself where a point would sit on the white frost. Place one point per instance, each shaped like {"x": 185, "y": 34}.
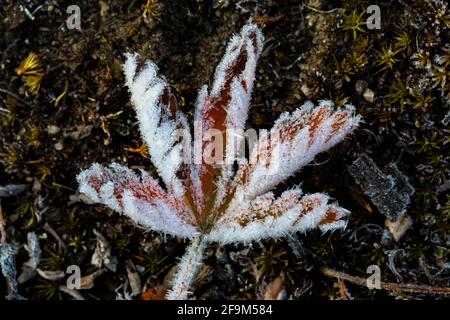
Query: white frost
{"x": 157, "y": 123}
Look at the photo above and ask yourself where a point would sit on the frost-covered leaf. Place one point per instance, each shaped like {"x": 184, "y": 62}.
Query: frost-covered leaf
{"x": 138, "y": 196}
{"x": 221, "y": 114}
{"x": 207, "y": 193}
{"x": 293, "y": 142}
{"x": 266, "y": 217}
{"x": 226, "y": 105}
{"x": 159, "y": 118}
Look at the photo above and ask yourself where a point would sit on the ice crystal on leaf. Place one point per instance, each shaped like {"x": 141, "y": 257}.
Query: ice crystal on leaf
{"x": 207, "y": 192}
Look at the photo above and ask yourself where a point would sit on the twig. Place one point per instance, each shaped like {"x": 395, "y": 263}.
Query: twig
{"x": 2, "y": 226}
{"x": 397, "y": 287}
{"x": 322, "y": 11}
{"x": 343, "y": 294}
{"x": 61, "y": 245}
{"x": 58, "y": 185}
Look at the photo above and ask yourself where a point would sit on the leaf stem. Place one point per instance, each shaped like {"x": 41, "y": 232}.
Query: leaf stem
{"x": 187, "y": 269}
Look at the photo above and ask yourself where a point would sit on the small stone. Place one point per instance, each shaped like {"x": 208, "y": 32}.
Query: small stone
{"x": 59, "y": 146}
{"x": 52, "y": 130}
{"x": 399, "y": 226}
{"x": 37, "y": 186}
{"x": 305, "y": 90}
{"x": 389, "y": 190}
{"x": 81, "y": 197}
{"x": 360, "y": 86}
{"x": 368, "y": 95}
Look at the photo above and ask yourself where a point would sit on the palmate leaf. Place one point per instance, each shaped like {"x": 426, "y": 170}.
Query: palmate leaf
{"x": 219, "y": 200}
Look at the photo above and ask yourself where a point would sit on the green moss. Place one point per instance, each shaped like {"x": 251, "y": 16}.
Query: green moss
{"x": 48, "y": 290}
{"x": 386, "y": 57}
{"x": 32, "y": 134}
{"x": 354, "y": 23}
{"x": 77, "y": 244}
{"x": 273, "y": 260}
{"x": 403, "y": 42}
{"x": 11, "y": 158}
{"x": 154, "y": 262}
{"x": 52, "y": 260}
{"x": 29, "y": 213}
